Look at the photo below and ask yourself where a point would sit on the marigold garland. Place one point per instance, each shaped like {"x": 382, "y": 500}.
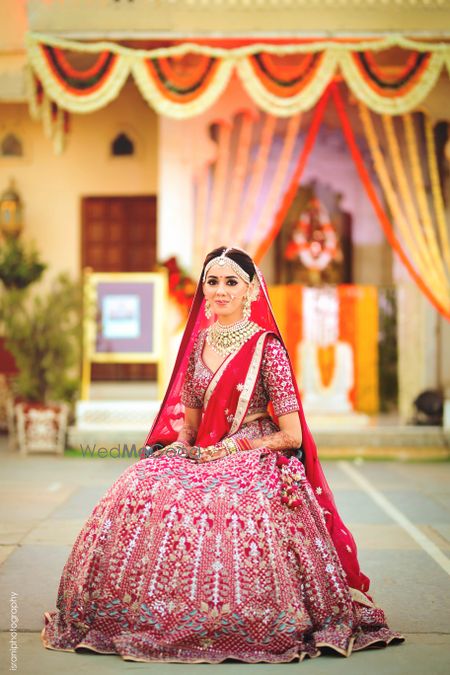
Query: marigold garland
{"x": 279, "y": 88}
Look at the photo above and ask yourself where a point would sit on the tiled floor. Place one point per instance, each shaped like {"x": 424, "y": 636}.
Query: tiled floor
{"x": 45, "y": 501}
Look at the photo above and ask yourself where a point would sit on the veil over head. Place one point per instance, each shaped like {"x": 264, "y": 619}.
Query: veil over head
{"x": 169, "y": 420}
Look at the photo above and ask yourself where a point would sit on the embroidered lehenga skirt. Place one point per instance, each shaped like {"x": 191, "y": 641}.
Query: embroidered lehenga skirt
{"x": 200, "y": 563}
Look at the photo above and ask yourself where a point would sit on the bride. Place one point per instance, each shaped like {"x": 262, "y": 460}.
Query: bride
{"x": 223, "y": 540}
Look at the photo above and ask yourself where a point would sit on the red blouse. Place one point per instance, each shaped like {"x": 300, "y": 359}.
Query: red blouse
{"x": 274, "y": 382}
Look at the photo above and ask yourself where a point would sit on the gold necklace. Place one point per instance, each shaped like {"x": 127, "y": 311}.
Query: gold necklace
{"x": 228, "y": 339}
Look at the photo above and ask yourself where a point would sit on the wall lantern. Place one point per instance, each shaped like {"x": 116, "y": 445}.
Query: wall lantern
{"x": 11, "y": 212}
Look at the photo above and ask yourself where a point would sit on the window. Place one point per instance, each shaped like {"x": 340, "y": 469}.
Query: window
{"x": 11, "y": 146}
{"x": 122, "y": 145}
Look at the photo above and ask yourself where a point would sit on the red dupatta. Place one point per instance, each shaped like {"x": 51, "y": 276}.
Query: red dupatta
{"x": 226, "y": 405}
{"x": 215, "y": 424}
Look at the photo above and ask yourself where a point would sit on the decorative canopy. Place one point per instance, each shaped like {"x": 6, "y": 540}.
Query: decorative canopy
{"x": 390, "y": 75}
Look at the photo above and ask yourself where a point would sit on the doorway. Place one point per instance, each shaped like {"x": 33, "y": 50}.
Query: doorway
{"x": 118, "y": 234}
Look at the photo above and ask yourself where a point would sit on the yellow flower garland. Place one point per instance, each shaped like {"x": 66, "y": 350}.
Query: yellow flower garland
{"x": 168, "y": 108}
{"x": 304, "y": 100}
{"x": 399, "y": 104}
{"x": 71, "y": 102}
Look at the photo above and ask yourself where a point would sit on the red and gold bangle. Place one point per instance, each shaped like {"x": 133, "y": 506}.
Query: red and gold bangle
{"x": 244, "y": 443}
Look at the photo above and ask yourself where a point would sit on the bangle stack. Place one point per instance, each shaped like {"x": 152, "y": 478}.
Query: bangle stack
{"x": 233, "y": 445}
{"x": 210, "y": 451}
{"x": 244, "y": 444}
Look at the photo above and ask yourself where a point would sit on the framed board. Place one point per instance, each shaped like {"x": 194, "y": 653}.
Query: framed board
{"x": 124, "y": 320}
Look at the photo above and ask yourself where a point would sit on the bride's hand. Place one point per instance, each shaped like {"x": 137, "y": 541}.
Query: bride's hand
{"x": 159, "y": 452}
{"x": 175, "y": 449}
{"x": 209, "y": 454}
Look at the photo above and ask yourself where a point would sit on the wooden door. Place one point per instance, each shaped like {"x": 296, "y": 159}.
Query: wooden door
{"x": 118, "y": 234}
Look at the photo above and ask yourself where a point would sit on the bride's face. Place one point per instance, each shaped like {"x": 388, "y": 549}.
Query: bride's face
{"x": 225, "y": 291}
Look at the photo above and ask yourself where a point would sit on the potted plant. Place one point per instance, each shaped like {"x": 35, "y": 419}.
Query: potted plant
{"x": 43, "y": 329}
{"x": 19, "y": 265}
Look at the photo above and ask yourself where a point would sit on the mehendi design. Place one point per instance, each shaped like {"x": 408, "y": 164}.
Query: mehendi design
{"x": 280, "y": 440}
{"x": 208, "y": 454}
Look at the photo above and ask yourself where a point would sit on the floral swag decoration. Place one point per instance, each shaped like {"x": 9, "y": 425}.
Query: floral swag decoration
{"x": 184, "y": 80}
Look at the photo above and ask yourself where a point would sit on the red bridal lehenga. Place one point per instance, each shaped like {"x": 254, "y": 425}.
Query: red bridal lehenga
{"x": 241, "y": 558}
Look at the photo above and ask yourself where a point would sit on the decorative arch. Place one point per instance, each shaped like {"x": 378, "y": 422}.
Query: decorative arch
{"x": 11, "y": 146}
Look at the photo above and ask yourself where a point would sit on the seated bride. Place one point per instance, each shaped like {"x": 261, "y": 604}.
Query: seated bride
{"x": 223, "y": 541}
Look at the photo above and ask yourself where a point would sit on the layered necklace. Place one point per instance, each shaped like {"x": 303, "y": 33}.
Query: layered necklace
{"x": 228, "y": 339}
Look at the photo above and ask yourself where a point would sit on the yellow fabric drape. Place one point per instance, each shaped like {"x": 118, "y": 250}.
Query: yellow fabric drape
{"x": 408, "y": 202}
{"x": 414, "y": 222}
{"x": 436, "y": 190}
{"x": 422, "y": 200}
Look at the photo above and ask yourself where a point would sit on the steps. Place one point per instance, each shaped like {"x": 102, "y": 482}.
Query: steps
{"x": 112, "y": 423}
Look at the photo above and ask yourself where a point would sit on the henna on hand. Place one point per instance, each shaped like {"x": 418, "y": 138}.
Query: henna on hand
{"x": 280, "y": 440}
{"x": 209, "y": 453}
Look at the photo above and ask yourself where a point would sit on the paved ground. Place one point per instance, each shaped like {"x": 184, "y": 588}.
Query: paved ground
{"x": 399, "y": 514}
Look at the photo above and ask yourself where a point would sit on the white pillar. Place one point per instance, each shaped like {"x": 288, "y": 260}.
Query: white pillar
{"x": 175, "y": 204}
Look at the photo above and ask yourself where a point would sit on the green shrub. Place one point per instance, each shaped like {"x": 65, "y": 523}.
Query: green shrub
{"x": 43, "y": 331}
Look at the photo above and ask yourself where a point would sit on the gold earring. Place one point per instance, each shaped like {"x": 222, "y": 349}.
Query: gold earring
{"x": 246, "y": 309}
{"x": 208, "y": 312}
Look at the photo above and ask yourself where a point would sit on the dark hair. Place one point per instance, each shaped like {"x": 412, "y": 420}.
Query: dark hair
{"x": 240, "y": 257}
